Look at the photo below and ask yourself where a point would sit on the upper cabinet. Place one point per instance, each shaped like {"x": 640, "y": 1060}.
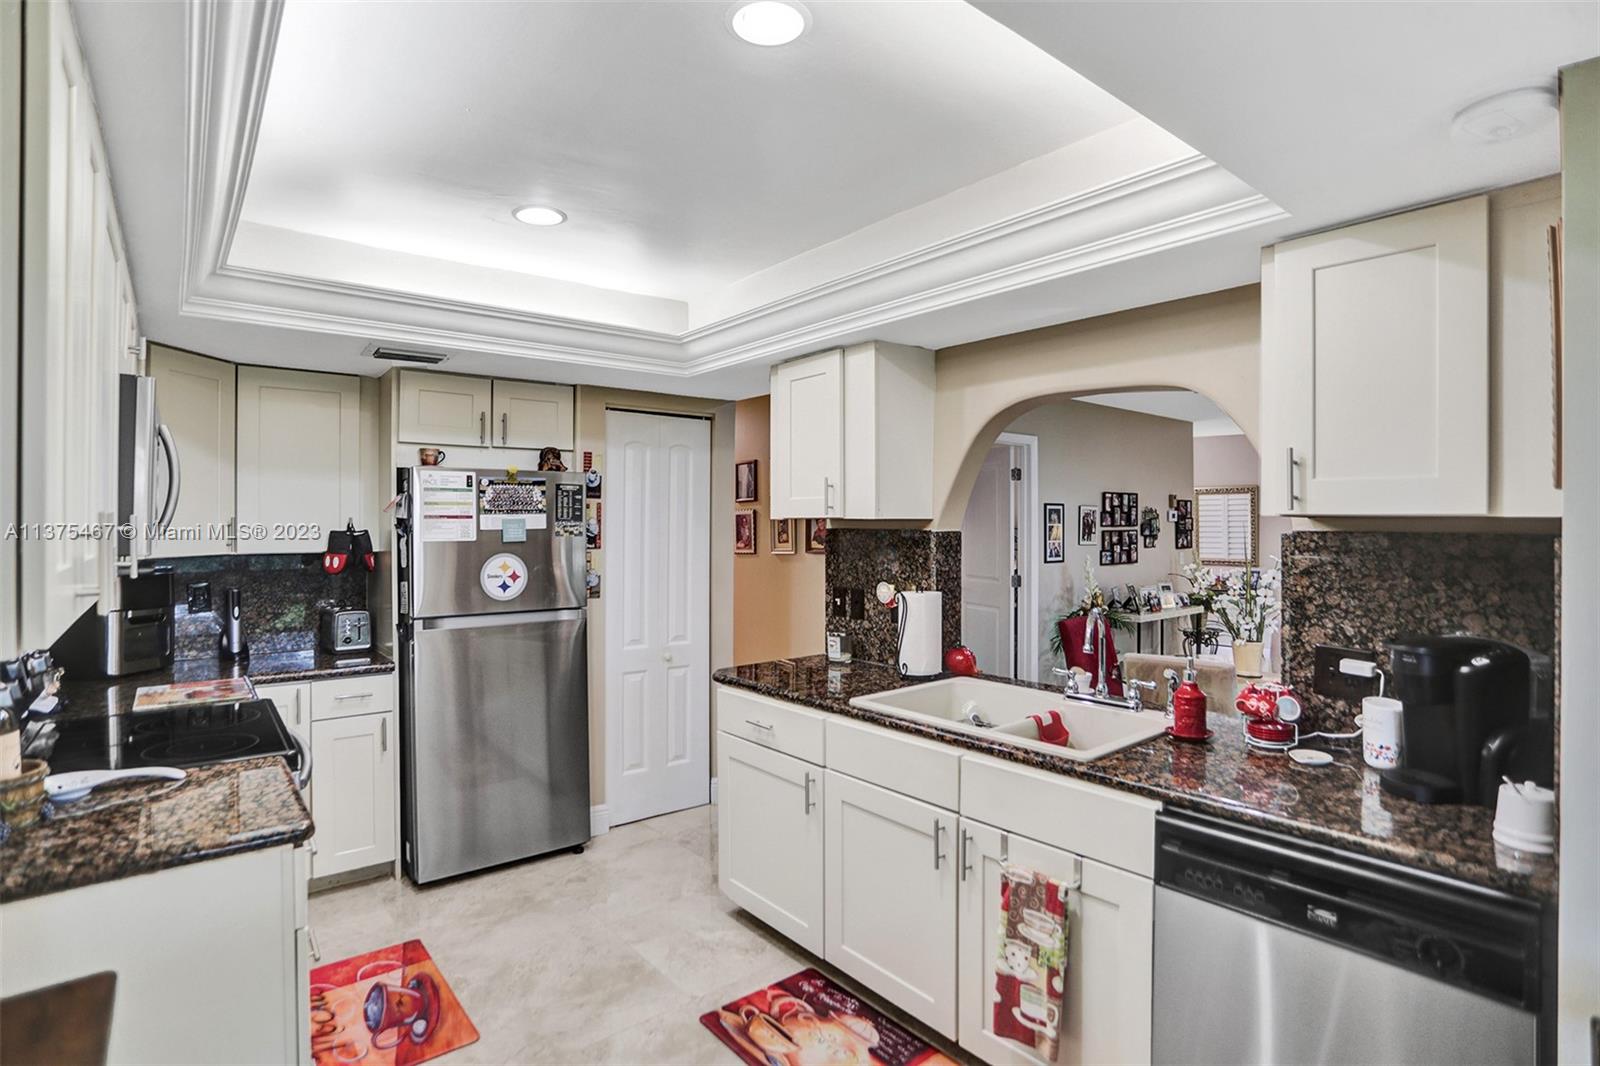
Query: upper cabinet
{"x": 443, "y": 408}
{"x": 482, "y": 412}
{"x": 852, "y": 434}
{"x": 530, "y": 415}
{"x": 77, "y": 314}
{"x": 299, "y": 457}
{"x": 1406, "y": 364}
{"x": 195, "y": 395}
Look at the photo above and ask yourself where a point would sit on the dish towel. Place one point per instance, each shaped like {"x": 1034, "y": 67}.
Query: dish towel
{"x": 1031, "y": 967}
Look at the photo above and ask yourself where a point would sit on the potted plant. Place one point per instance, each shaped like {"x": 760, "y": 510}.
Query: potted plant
{"x": 1246, "y": 607}
{"x": 1205, "y": 586}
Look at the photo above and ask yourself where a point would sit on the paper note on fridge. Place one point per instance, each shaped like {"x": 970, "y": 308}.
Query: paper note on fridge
{"x": 447, "y": 505}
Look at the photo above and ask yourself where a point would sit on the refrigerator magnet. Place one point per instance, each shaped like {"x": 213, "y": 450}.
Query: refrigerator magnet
{"x": 503, "y": 577}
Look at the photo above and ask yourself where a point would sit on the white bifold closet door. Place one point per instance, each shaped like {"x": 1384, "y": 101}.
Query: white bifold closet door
{"x": 658, "y": 614}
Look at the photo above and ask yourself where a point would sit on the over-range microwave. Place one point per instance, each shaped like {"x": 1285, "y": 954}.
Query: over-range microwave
{"x": 148, "y": 475}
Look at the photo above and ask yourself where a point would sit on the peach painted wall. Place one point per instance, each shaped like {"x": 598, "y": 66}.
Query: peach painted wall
{"x": 777, "y": 599}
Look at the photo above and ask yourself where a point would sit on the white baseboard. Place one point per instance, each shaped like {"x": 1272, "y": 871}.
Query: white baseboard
{"x": 599, "y": 820}
{"x": 713, "y": 790}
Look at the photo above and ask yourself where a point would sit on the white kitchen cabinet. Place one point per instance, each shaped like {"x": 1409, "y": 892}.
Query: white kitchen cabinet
{"x": 293, "y": 700}
{"x": 353, "y": 772}
{"x": 769, "y": 838}
{"x": 528, "y": 414}
{"x": 852, "y": 434}
{"x": 443, "y": 408}
{"x": 1106, "y": 1003}
{"x": 890, "y": 917}
{"x": 196, "y": 398}
{"x": 75, "y": 304}
{"x": 299, "y": 458}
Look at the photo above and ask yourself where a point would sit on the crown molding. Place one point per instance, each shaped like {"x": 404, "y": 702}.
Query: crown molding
{"x": 1176, "y": 203}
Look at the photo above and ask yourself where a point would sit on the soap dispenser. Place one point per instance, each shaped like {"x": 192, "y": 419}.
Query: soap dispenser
{"x": 1189, "y": 708}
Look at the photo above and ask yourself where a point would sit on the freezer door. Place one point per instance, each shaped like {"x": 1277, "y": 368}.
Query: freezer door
{"x": 497, "y": 731}
{"x": 447, "y": 577}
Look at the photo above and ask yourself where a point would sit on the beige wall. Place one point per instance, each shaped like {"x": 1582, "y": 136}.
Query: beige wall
{"x": 1209, "y": 343}
{"x": 591, "y": 436}
{"x": 777, "y": 599}
{"x": 1085, "y": 449}
{"x": 1226, "y": 461}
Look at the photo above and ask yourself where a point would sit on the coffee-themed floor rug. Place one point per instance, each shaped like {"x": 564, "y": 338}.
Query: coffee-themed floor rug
{"x": 806, "y": 1019}
{"x": 390, "y": 1006}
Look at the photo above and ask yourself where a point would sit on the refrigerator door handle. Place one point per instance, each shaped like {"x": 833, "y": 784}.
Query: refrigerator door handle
{"x": 497, "y": 621}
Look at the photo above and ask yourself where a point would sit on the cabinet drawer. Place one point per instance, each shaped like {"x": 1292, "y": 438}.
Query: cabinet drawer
{"x": 925, "y": 769}
{"x": 771, "y": 723}
{"x": 1092, "y": 821}
{"x": 346, "y": 696}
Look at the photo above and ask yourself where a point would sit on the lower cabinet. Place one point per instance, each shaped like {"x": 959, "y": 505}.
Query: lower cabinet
{"x": 891, "y": 888}
{"x": 1106, "y": 1002}
{"x": 769, "y": 835}
{"x": 353, "y": 765}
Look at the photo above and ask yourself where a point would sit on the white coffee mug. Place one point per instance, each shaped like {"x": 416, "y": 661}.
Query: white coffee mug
{"x": 1381, "y": 744}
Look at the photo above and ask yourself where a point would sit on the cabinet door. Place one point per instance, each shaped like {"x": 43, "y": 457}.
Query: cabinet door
{"x": 1379, "y": 366}
{"x": 195, "y": 396}
{"x": 530, "y": 415}
{"x": 808, "y": 436}
{"x": 353, "y": 799}
{"x": 443, "y": 409}
{"x": 299, "y": 458}
{"x": 890, "y": 920}
{"x": 1106, "y": 1003}
{"x": 769, "y": 838}
{"x": 293, "y": 701}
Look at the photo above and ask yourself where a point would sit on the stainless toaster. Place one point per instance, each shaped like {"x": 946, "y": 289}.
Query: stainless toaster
{"x": 342, "y": 629}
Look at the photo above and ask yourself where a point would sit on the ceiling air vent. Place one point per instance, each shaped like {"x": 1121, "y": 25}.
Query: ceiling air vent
{"x": 408, "y": 355}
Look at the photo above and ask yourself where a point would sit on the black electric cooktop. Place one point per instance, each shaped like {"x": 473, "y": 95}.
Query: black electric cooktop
{"x": 184, "y": 737}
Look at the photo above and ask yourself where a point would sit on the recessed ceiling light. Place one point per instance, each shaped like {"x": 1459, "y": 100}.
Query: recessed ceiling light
{"x": 534, "y": 215}
{"x": 1506, "y": 116}
{"x": 769, "y": 22}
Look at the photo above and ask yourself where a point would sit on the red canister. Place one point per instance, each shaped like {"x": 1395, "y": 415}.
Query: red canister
{"x": 1189, "y": 711}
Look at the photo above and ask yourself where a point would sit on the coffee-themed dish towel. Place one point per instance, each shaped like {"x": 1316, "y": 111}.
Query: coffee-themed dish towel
{"x": 1031, "y": 965}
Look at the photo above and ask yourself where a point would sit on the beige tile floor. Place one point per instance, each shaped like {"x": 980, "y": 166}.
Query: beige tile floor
{"x": 606, "y": 957}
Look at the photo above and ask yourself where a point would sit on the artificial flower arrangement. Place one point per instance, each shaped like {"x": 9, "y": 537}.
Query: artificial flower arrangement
{"x": 1247, "y": 607}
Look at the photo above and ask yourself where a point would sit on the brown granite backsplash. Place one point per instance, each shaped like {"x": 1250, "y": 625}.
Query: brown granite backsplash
{"x": 1359, "y": 590}
{"x": 282, "y": 597}
{"x": 911, "y": 559}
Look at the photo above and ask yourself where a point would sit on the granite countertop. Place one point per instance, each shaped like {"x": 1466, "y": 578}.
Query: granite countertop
{"x": 1341, "y": 805}
{"x": 115, "y": 695}
{"x": 142, "y": 827}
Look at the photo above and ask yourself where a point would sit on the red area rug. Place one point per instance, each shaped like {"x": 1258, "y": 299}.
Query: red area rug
{"x": 390, "y": 1006}
{"x": 806, "y": 1019}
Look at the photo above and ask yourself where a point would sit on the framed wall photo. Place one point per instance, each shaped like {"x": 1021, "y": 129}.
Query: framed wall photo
{"x": 1055, "y": 532}
{"x": 1119, "y": 509}
{"x": 782, "y": 536}
{"x": 745, "y": 486}
{"x": 1088, "y": 523}
{"x": 1183, "y": 524}
{"x": 817, "y": 536}
{"x": 744, "y": 531}
{"x": 1119, "y": 547}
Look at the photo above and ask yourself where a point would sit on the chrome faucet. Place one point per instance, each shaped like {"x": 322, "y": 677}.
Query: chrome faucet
{"x": 1094, "y": 633}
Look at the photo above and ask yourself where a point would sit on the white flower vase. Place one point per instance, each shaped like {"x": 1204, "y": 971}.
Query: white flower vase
{"x": 1247, "y": 658}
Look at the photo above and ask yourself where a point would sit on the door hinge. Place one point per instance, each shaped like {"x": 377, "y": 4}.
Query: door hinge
{"x": 1016, "y": 580}
{"x": 1016, "y": 473}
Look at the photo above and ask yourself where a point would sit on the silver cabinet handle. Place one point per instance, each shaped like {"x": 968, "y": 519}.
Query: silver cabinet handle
{"x": 353, "y": 696}
{"x": 758, "y": 725}
{"x": 966, "y": 854}
{"x": 504, "y": 432}
{"x": 938, "y": 831}
{"x": 809, "y": 804}
{"x": 827, "y": 495}
{"x": 383, "y": 734}
{"x": 1294, "y": 497}
{"x": 483, "y": 427}
{"x": 311, "y": 939}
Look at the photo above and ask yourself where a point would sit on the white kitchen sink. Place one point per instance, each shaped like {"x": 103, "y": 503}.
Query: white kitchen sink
{"x": 1096, "y": 730}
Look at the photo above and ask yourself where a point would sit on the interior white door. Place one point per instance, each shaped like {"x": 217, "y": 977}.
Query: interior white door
{"x": 769, "y": 837}
{"x": 1106, "y": 1003}
{"x": 988, "y": 562}
{"x": 890, "y": 919}
{"x": 658, "y": 614}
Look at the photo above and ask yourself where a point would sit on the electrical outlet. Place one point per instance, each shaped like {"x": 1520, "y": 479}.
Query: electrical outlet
{"x": 858, "y": 603}
{"x": 839, "y": 606}
{"x": 200, "y": 597}
{"x": 1329, "y": 682}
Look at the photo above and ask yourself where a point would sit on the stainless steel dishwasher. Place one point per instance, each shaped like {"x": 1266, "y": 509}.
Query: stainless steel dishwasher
{"x": 1270, "y": 949}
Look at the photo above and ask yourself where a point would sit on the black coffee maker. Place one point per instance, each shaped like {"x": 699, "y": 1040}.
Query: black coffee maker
{"x": 1474, "y": 710}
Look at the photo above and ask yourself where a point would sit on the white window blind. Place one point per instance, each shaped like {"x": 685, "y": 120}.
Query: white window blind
{"x": 1224, "y": 523}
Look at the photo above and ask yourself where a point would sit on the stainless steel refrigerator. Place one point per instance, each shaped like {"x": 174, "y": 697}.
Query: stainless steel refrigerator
{"x": 494, "y": 691}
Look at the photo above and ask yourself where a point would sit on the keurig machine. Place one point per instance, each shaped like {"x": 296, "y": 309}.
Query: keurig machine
{"x": 1474, "y": 710}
